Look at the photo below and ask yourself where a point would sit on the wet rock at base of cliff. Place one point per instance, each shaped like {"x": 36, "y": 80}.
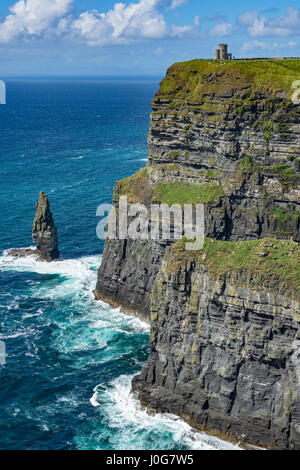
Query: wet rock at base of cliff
{"x": 21, "y": 252}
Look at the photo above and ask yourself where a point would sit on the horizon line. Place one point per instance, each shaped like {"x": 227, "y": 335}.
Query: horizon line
{"x": 80, "y": 76}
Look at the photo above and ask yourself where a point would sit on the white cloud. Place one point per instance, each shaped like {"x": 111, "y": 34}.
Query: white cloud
{"x": 253, "y": 45}
{"x": 124, "y": 23}
{"x": 177, "y": 3}
{"x": 179, "y": 31}
{"x": 248, "y": 17}
{"x": 32, "y": 18}
{"x": 197, "y": 21}
{"x": 158, "y": 51}
{"x": 121, "y": 24}
{"x": 282, "y": 25}
{"x": 221, "y": 29}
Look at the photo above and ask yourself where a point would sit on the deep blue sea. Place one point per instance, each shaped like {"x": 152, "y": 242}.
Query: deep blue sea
{"x": 70, "y": 359}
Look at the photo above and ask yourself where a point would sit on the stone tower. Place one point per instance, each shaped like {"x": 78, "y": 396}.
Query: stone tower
{"x": 217, "y": 54}
{"x": 222, "y": 53}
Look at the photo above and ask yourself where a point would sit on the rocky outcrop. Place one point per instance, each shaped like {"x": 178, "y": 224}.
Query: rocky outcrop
{"x": 225, "y": 341}
{"x": 224, "y": 324}
{"x": 44, "y": 233}
{"x": 127, "y": 274}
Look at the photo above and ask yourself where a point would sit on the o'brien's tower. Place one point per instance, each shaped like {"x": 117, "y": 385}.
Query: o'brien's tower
{"x": 222, "y": 53}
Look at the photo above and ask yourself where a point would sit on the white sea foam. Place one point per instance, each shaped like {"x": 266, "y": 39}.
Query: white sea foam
{"x": 24, "y": 332}
{"x": 136, "y": 324}
{"x": 30, "y": 315}
{"x": 93, "y": 331}
{"x": 124, "y": 412}
{"x": 14, "y": 304}
{"x": 94, "y": 399}
{"x": 94, "y": 324}
{"x": 77, "y": 273}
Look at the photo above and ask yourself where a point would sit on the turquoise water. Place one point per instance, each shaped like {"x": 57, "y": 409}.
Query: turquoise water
{"x": 70, "y": 359}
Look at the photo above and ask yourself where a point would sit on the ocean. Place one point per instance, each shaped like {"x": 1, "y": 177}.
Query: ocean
{"x": 70, "y": 359}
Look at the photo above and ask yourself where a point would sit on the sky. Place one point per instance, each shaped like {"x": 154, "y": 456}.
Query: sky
{"x": 138, "y": 37}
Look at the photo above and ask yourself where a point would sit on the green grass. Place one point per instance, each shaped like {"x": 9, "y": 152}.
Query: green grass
{"x": 186, "y": 193}
{"x": 135, "y": 187}
{"x": 286, "y": 175}
{"x": 174, "y": 153}
{"x": 212, "y": 174}
{"x": 193, "y": 79}
{"x": 284, "y": 216}
{"x": 247, "y": 165}
{"x": 138, "y": 190}
{"x": 285, "y": 220}
{"x": 277, "y": 262}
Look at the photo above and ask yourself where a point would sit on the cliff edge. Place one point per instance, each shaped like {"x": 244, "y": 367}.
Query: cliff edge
{"x": 224, "y": 320}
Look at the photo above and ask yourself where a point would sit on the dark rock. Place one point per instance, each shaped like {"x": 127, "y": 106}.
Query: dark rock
{"x": 44, "y": 233}
{"x": 127, "y": 273}
{"x": 21, "y": 252}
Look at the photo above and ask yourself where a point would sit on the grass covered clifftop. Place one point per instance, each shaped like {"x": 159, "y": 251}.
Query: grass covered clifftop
{"x": 230, "y": 118}
{"x": 187, "y": 193}
{"x": 194, "y": 79}
{"x": 137, "y": 189}
{"x": 271, "y": 264}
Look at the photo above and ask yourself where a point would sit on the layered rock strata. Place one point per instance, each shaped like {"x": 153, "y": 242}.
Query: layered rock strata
{"x": 225, "y": 341}
{"x": 224, "y": 334}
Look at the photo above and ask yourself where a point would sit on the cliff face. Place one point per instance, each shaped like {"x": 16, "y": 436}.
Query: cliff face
{"x": 232, "y": 128}
{"x": 233, "y": 125}
{"x": 225, "y": 344}
{"x": 224, "y": 326}
{"x": 127, "y": 273}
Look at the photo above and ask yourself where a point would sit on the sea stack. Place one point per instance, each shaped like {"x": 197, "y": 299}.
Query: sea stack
{"x": 44, "y": 233}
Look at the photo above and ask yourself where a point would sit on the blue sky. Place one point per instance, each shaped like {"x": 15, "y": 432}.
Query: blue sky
{"x": 138, "y": 37}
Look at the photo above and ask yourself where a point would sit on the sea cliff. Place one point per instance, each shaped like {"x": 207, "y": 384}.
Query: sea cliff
{"x": 224, "y": 320}
{"x": 224, "y": 349}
